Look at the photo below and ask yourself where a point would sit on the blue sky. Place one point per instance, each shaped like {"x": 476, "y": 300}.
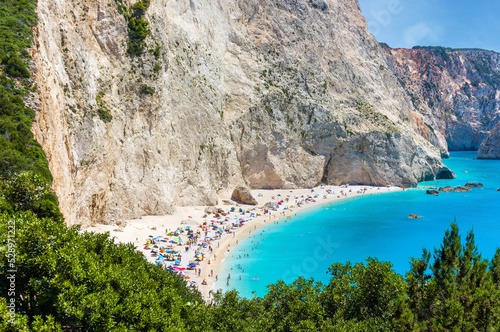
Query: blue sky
{"x": 450, "y": 23}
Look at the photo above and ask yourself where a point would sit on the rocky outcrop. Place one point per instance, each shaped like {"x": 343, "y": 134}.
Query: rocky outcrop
{"x": 228, "y": 93}
{"x": 456, "y": 93}
{"x": 211, "y": 209}
{"x": 432, "y": 192}
{"x": 490, "y": 148}
{"x": 474, "y": 185}
{"x": 445, "y": 189}
{"x": 243, "y": 195}
{"x": 461, "y": 189}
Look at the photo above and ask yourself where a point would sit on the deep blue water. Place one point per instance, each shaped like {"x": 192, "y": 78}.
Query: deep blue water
{"x": 370, "y": 226}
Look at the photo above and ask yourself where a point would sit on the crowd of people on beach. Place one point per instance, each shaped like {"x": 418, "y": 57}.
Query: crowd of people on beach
{"x": 186, "y": 249}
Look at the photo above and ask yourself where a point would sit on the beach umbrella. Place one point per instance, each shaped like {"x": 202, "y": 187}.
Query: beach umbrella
{"x": 192, "y": 264}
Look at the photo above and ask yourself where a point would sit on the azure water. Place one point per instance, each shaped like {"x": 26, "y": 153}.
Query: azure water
{"x": 375, "y": 225}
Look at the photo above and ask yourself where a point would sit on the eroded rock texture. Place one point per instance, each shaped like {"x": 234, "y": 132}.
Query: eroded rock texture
{"x": 490, "y": 148}
{"x": 456, "y": 93}
{"x": 275, "y": 95}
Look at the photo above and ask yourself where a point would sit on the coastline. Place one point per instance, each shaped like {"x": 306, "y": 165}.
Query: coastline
{"x": 137, "y": 231}
{"x": 260, "y": 222}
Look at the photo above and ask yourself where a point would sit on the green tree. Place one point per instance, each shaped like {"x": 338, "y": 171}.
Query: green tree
{"x": 15, "y": 67}
{"x": 86, "y": 281}
{"x": 363, "y": 292}
{"x": 28, "y": 191}
{"x": 295, "y": 307}
{"x": 461, "y": 294}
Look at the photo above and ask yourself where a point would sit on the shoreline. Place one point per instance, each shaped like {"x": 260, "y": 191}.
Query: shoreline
{"x": 138, "y": 231}
{"x": 258, "y": 223}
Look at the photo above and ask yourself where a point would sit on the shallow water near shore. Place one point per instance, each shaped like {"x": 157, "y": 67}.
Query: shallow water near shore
{"x": 372, "y": 225}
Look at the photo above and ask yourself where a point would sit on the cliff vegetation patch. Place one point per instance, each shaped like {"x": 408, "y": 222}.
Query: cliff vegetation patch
{"x": 102, "y": 109}
{"x": 137, "y": 26}
{"x": 19, "y": 151}
{"x": 24, "y": 173}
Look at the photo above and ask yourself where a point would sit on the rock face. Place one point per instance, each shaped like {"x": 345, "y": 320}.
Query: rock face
{"x": 490, "y": 148}
{"x": 456, "y": 93}
{"x": 243, "y": 195}
{"x": 237, "y": 92}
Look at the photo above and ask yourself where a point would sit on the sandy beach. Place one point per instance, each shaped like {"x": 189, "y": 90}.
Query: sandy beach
{"x": 142, "y": 232}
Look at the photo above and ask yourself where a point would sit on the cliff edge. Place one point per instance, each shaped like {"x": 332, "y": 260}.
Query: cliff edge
{"x": 270, "y": 94}
{"x": 455, "y": 91}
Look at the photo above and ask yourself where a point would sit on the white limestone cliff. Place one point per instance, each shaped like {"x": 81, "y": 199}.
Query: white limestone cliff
{"x": 272, "y": 94}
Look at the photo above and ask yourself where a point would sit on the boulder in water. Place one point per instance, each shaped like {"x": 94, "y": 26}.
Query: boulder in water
{"x": 445, "y": 189}
{"x": 474, "y": 185}
{"x": 433, "y": 192}
{"x": 461, "y": 189}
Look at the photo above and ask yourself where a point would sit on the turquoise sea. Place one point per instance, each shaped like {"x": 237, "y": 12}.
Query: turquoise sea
{"x": 375, "y": 225}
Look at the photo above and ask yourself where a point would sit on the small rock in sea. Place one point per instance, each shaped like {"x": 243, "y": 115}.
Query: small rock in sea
{"x": 474, "y": 185}
{"x": 433, "y": 192}
{"x": 414, "y": 216}
{"x": 498, "y": 190}
{"x": 445, "y": 189}
{"x": 461, "y": 189}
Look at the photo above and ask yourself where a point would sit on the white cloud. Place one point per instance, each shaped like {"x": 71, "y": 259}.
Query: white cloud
{"x": 420, "y": 33}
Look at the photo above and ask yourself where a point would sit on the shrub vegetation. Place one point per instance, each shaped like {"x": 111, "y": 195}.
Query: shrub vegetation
{"x": 137, "y": 26}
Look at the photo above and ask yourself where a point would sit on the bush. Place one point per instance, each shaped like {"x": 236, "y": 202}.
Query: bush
{"x": 28, "y": 191}
{"x": 86, "y": 282}
{"x": 137, "y": 27}
{"x": 104, "y": 115}
{"x": 15, "y": 67}
{"x": 147, "y": 90}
